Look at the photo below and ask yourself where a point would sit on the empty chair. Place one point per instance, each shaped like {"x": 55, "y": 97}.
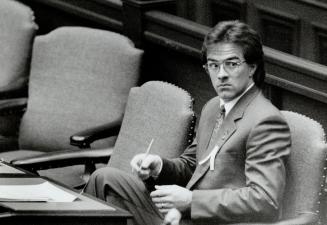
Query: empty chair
{"x": 16, "y": 39}
{"x": 80, "y": 78}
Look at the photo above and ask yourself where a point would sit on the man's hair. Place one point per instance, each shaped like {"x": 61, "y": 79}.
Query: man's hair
{"x": 246, "y": 38}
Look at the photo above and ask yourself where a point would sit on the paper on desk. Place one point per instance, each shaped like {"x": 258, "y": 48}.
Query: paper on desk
{"x": 5, "y": 169}
{"x": 45, "y": 191}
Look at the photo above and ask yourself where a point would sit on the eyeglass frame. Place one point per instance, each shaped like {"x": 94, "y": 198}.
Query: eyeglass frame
{"x": 229, "y": 71}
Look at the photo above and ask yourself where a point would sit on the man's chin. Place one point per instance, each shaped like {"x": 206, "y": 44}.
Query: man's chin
{"x": 225, "y": 96}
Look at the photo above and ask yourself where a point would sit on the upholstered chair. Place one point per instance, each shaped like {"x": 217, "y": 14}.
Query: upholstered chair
{"x": 80, "y": 78}
{"x": 156, "y": 110}
{"x": 17, "y": 32}
{"x": 306, "y": 169}
{"x": 16, "y": 39}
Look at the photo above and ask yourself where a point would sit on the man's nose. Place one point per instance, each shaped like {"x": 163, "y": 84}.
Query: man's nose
{"x": 221, "y": 74}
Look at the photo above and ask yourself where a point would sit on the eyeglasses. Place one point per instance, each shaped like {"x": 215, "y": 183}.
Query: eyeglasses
{"x": 229, "y": 66}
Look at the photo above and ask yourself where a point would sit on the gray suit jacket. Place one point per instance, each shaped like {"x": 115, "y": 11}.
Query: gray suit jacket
{"x": 248, "y": 179}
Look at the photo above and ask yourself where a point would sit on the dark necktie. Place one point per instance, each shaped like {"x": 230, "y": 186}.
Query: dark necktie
{"x": 219, "y": 120}
{"x": 212, "y": 145}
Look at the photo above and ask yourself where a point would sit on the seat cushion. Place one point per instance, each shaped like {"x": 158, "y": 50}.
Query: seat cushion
{"x": 70, "y": 176}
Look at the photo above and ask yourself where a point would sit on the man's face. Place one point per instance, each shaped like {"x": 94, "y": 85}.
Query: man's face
{"x": 229, "y": 73}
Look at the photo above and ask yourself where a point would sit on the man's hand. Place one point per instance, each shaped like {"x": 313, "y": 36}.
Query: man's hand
{"x": 144, "y": 165}
{"x": 166, "y": 197}
{"x": 173, "y": 217}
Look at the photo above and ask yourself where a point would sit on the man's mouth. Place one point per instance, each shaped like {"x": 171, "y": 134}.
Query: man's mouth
{"x": 223, "y": 85}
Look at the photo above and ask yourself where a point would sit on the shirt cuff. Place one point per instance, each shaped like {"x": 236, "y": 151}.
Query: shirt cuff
{"x": 156, "y": 174}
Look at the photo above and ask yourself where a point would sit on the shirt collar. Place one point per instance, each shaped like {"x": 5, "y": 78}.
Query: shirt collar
{"x": 229, "y": 105}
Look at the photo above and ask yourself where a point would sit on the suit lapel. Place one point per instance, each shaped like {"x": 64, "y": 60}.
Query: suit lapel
{"x": 226, "y": 130}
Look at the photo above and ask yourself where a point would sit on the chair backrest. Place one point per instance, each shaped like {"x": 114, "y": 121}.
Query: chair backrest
{"x": 159, "y": 111}
{"x": 305, "y": 168}
{"x": 80, "y": 78}
{"x": 18, "y": 29}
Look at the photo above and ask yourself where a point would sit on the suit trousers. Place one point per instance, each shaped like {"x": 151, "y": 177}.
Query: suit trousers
{"x": 125, "y": 191}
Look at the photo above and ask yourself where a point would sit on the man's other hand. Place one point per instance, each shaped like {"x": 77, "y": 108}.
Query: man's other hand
{"x": 166, "y": 197}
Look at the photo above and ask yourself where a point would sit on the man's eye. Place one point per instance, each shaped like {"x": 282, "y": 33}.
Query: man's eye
{"x": 231, "y": 63}
{"x": 213, "y": 65}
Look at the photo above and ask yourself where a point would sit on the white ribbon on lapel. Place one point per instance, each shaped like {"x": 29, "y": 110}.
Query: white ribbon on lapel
{"x": 212, "y": 157}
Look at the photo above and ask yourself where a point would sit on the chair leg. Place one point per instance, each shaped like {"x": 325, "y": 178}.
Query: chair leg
{"x": 89, "y": 168}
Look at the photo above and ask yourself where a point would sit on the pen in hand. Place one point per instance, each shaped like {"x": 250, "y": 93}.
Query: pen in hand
{"x": 147, "y": 152}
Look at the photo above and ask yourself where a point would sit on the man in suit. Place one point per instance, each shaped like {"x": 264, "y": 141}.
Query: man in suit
{"x": 234, "y": 171}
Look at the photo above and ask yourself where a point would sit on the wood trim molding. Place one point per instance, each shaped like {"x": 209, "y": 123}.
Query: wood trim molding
{"x": 296, "y": 88}
{"x": 225, "y": 7}
{"x": 105, "y": 12}
{"x": 303, "y": 73}
{"x": 320, "y": 37}
{"x": 174, "y": 32}
{"x": 267, "y": 15}
{"x": 314, "y": 3}
{"x": 145, "y": 4}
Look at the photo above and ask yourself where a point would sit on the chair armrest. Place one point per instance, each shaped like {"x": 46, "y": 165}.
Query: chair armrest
{"x": 63, "y": 158}
{"x": 16, "y": 89}
{"x": 9, "y": 106}
{"x": 84, "y": 138}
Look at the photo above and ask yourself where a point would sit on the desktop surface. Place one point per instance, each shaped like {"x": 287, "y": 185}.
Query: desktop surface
{"x": 81, "y": 209}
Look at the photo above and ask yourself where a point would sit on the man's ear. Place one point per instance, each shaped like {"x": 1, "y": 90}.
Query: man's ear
{"x": 253, "y": 68}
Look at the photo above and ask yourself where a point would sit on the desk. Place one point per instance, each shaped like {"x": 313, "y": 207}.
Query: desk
{"x": 84, "y": 210}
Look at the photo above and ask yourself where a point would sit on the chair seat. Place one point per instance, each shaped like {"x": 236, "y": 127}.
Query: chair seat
{"x": 70, "y": 175}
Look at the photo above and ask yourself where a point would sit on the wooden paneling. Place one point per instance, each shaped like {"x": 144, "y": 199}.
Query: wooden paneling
{"x": 51, "y": 14}
{"x": 320, "y": 32}
{"x": 174, "y": 32}
{"x": 285, "y": 25}
{"x": 227, "y": 10}
{"x": 279, "y": 30}
{"x": 303, "y": 78}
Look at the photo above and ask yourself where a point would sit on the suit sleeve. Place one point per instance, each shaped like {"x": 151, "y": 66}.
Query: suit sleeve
{"x": 268, "y": 145}
{"x": 179, "y": 170}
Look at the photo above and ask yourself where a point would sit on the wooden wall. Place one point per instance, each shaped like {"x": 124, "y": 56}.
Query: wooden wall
{"x": 297, "y": 27}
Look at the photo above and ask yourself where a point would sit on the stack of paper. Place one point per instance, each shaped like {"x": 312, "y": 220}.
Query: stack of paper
{"x": 43, "y": 192}
{"x": 5, "y": 169}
